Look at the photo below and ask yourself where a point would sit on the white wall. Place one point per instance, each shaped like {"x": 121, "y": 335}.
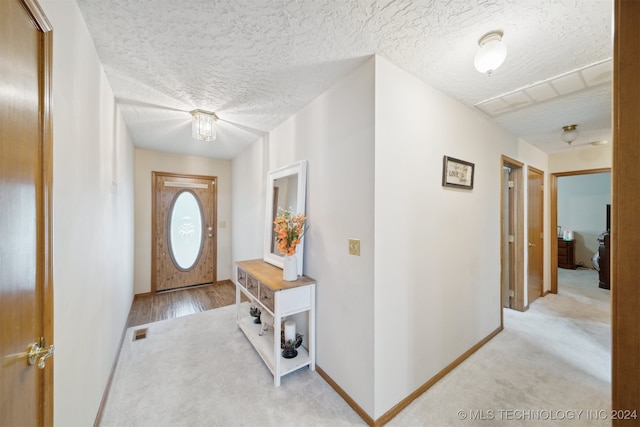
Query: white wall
{"x": 426, "y": 287}
{"x": 92, "y": 220}
{"x": 335, "y": 133}
{"x": 437, "y": 253}
{"x": 581, "y": 159}
{"x": 147, "y": 161}
{"x": 582, "y": 201}
{"x": 248, "y": 197}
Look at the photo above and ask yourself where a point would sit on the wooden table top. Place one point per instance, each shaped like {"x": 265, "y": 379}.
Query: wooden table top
{"x": 271, "y": 276}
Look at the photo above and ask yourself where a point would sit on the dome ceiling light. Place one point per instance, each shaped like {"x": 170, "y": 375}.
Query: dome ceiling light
{"x": 492, "y": 52}
{"x": 569, "y": 134}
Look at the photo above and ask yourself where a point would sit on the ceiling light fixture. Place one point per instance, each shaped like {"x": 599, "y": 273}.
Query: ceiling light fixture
{"x": 203, "y": 127}
{"x": 492, "y": 52}
{"x": 569, "y": 134}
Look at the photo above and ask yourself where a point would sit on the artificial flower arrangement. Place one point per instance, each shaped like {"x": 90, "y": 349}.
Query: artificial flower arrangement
{"x": 288, "y": 230}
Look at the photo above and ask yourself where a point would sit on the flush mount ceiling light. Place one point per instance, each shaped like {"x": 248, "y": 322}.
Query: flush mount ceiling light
{"x": 203, "y": 127}
{"x": 569, "y": 134}
{"x": 492, "y": 52}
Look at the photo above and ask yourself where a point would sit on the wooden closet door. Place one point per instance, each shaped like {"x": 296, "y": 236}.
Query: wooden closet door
{"x": 535, "y": 229}
{"x": 26, "y": 285}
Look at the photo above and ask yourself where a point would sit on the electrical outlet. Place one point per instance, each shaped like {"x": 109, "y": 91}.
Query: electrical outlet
{"x": 354, "y": 247}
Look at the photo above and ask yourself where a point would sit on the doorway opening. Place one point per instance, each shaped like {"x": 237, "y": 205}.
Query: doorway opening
{"x": 512, "y": 234}
{"x": 585, "y": 241}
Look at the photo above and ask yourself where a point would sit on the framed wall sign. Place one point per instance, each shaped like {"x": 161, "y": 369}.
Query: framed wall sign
{"x": 457, "y": 173}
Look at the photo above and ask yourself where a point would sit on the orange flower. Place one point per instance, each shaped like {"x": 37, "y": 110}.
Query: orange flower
{"x": 288, "y": 231}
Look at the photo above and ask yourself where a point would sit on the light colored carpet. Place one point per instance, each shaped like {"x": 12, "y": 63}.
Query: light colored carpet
{"x": 550, "y": 362}
{"x": 200, "y": 370}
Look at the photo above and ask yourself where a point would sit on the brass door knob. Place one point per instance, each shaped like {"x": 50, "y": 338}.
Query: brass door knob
{"x": 35, "y": 350}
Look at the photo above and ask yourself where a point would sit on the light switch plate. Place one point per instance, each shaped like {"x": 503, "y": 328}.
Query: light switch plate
{"x": 222, "y": 224}
{"x": 354, "y": 247}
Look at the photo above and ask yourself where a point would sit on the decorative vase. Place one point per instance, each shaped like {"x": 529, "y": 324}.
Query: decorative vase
{"x": 290, "y": 268}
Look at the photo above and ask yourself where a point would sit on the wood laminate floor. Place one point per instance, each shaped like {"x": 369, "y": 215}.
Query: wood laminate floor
{"x": 167, "y": 305}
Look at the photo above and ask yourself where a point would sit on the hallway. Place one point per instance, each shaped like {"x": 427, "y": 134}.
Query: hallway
{"x": 551, "y": 365}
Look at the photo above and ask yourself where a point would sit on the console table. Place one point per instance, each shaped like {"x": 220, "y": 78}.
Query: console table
{"x": 262, "y": 283}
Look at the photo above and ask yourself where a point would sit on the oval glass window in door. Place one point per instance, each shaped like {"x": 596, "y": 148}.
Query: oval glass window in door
{"x": 185, "y": 230}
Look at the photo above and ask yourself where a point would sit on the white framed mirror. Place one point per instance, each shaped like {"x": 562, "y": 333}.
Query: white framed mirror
{"x": 286, "y": 189}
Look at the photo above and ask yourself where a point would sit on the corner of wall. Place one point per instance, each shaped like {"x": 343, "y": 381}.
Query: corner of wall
{"x": 335, "y": 134}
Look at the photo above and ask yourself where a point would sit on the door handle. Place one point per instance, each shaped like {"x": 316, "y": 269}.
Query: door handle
{"x": 531, "y": 244}
{"x": 34, "y": 351}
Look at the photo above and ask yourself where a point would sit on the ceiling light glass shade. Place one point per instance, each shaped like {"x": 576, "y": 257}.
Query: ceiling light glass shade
{"x": 569, "y": 134}
{"x": 492, "y": 52}
{"x": 203, "y": 127}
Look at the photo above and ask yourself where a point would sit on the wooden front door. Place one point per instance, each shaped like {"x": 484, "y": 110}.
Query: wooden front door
{"x": 26, "y": 397}
{"x": 184, "y": 208}
{"x": 535, "y": 227}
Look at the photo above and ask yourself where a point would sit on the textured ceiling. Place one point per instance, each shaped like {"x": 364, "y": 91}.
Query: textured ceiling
{"x": 257, "y": 62}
